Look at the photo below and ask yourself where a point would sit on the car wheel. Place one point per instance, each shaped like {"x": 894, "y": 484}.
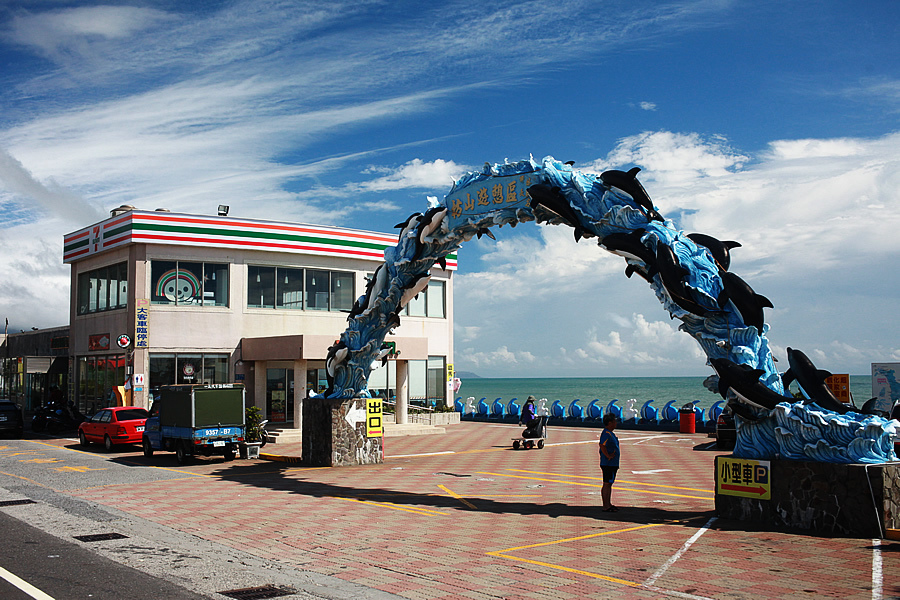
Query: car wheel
{"x": 82, "y": 439}
{"x": 107, "y": 443}
{"x": 181, "y": 454}
{"x": 148, "y": 449}
{"x": 229, "y": 455}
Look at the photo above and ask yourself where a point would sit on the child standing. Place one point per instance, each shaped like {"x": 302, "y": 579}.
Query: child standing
{"x": 609, "y": 460}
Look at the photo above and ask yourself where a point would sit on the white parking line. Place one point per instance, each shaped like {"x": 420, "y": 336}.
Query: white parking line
{"x": 877, "y": 575}
{"x": 24, "y": 586}
{"x": 662, "y": 570}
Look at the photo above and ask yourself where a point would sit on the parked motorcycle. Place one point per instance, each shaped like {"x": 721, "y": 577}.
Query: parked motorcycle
{"x": 56, "y": 419}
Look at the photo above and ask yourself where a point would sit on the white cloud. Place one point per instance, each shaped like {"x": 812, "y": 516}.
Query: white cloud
{"x": 500, "y": 356}
{"x": 437, "y": 174}
{"x": 647, "y": 106}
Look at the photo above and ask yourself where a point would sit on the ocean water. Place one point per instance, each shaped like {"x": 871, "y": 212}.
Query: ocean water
{"x": 659, "y": 389}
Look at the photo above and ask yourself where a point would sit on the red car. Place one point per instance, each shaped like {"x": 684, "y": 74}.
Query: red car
{"x": 116, "y": 425}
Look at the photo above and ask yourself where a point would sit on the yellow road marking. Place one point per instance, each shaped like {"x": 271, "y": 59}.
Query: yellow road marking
{"x": 503, "y": 554}
{"x": 594, "y": 485}
{"x": 26, "y": 479}
{"x": 458, "y": 497}
{"x": 42, "y": 460}
{"x": 77, "y": 469}
{"x": 420, "y": 511}
{"x": 671, "y": 487}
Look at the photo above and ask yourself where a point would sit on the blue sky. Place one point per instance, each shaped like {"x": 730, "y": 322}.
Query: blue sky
{"x": 773, "y": 124}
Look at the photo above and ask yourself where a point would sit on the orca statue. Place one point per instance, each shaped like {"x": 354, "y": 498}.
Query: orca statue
{"x": 337, "y": 354}
{"x": 744, "y": 381}
{"x": 745, "y": 300}
{"x": 553, "y": 200}
{"x": 720, "y": 251}
{"x": 812, "y": 381}
{"x": 419, "y": 284}
{"x": 672, "y": 274}
{"x": 631, "y": 187}
{"x": 428, "y": 224}
{"x": 630, "y": 247}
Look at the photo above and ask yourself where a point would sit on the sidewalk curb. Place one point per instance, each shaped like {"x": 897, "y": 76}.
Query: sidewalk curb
{"x": 278, "y": 458}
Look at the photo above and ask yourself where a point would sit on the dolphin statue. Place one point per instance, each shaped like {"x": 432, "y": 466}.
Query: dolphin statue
{"x": 812, "y": 381}
{"x": 743, "y": 411}
{"x": 745, "y": 300}
{"x": 628, "y": 184}
{"x": 744, "y": 381}
{"x": 420, "y": 283}
{"x": 407, "y": 225}
{"x": 720, "y": 250}
{"x": 871, "y": 408}
{"x": 375, "y": 285}
{"x": 672, "y": 275}
{"x": 630, "y": 247}
{"x": 553, "y": 200}
{"x": 429, "y": 223}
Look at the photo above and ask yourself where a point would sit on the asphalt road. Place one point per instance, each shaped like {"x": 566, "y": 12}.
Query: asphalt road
{"x": 63, "y": 570}
{"x": 147, "y": 560}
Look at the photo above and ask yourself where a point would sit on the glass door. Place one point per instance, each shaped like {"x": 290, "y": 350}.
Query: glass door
{"x": 280, "y": 395}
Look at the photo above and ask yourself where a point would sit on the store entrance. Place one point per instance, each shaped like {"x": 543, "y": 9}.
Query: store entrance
{"x": 280, "y": 395}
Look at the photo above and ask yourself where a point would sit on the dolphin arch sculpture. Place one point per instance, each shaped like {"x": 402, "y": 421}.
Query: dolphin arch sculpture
{"x": 687, "y": 272}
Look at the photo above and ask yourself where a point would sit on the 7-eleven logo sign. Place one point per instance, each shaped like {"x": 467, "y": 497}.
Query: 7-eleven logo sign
{"x": 95, "y": 237}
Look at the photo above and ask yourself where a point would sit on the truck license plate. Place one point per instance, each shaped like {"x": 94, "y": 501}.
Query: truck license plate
{"x": 2, "y": 417}
{"x": 219, "y": 444}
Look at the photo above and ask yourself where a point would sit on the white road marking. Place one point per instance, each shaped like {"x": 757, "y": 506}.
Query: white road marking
{"x": 877, "y": 575}
{"x": 662, "y": 570}
{"x": 24, "y": 586}
{"x": 651, "y": 472}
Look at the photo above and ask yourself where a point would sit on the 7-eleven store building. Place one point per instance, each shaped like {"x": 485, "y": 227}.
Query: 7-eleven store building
{"x": 216, "y": 299}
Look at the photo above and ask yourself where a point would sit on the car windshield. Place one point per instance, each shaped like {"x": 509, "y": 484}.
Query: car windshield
{"x": 131, "y": 414}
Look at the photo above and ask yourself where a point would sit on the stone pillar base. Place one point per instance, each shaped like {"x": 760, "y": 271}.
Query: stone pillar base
{"x": 329, "y": 438}
{"x": 855, "y": 500}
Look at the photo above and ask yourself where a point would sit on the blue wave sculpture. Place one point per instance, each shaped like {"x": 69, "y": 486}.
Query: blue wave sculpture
{"x": 689, "y": 273}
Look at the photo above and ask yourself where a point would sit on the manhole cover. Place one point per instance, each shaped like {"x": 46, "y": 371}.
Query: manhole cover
{"x": 100, "y": 537}
{"x": 254, "y": 593}
{"x": 16, "y": 502}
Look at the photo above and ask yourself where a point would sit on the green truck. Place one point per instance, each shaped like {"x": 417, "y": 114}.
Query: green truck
{"x": 190, "y": 420}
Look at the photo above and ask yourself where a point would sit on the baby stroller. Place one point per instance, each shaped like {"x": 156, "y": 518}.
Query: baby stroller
{"x": 536, "y": 432}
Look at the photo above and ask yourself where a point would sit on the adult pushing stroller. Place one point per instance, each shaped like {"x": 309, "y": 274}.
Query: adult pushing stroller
{"x": 535, "y": 426}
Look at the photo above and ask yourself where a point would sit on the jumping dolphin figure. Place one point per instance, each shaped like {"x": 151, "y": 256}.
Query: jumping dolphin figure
{"x": 745, "y": 300}
{"x": 430, "y": 222}
{"x": 630, "y": 247}
{"x": 631, "y": 187}
{"x": 553, "y": 200}
{"x": 720, "y": 250}
{"x": 744, "y": 382}
{"x": 812, "y": 381}
{"x": 413, "y": 290}
{"x": 672, "y": 274}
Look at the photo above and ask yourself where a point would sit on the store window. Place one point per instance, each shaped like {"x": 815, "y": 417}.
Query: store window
{"x": 171, "y": 368}
{"x": 103, "y": 289}
{"x": 96, "y": 379}
{"x": 184, "y": 283}
{"x": 430, "y": 302}
{"x": 291, "y": 288}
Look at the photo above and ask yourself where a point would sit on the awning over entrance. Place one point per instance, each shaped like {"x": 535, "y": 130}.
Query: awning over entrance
{"x": 315, "y": 347}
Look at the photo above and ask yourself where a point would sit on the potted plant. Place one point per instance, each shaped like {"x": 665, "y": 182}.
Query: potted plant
{"x": 252, "y": 433}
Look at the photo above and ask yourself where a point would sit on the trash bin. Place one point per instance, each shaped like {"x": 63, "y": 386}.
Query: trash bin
{"x": 687, "y": 422}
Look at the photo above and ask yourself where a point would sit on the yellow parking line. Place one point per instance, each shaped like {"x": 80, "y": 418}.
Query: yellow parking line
{"x": 458, "y": 497}
{"x": 594, "y": 485}
{"x": 420, "y": 511}
{"x": 26, "y": 479}
{"x": 503, "y": 554}
{"x": 671, "y": 487}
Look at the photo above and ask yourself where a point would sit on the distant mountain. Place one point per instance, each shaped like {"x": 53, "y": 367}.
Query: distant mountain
{"x": 467, "y": 375}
